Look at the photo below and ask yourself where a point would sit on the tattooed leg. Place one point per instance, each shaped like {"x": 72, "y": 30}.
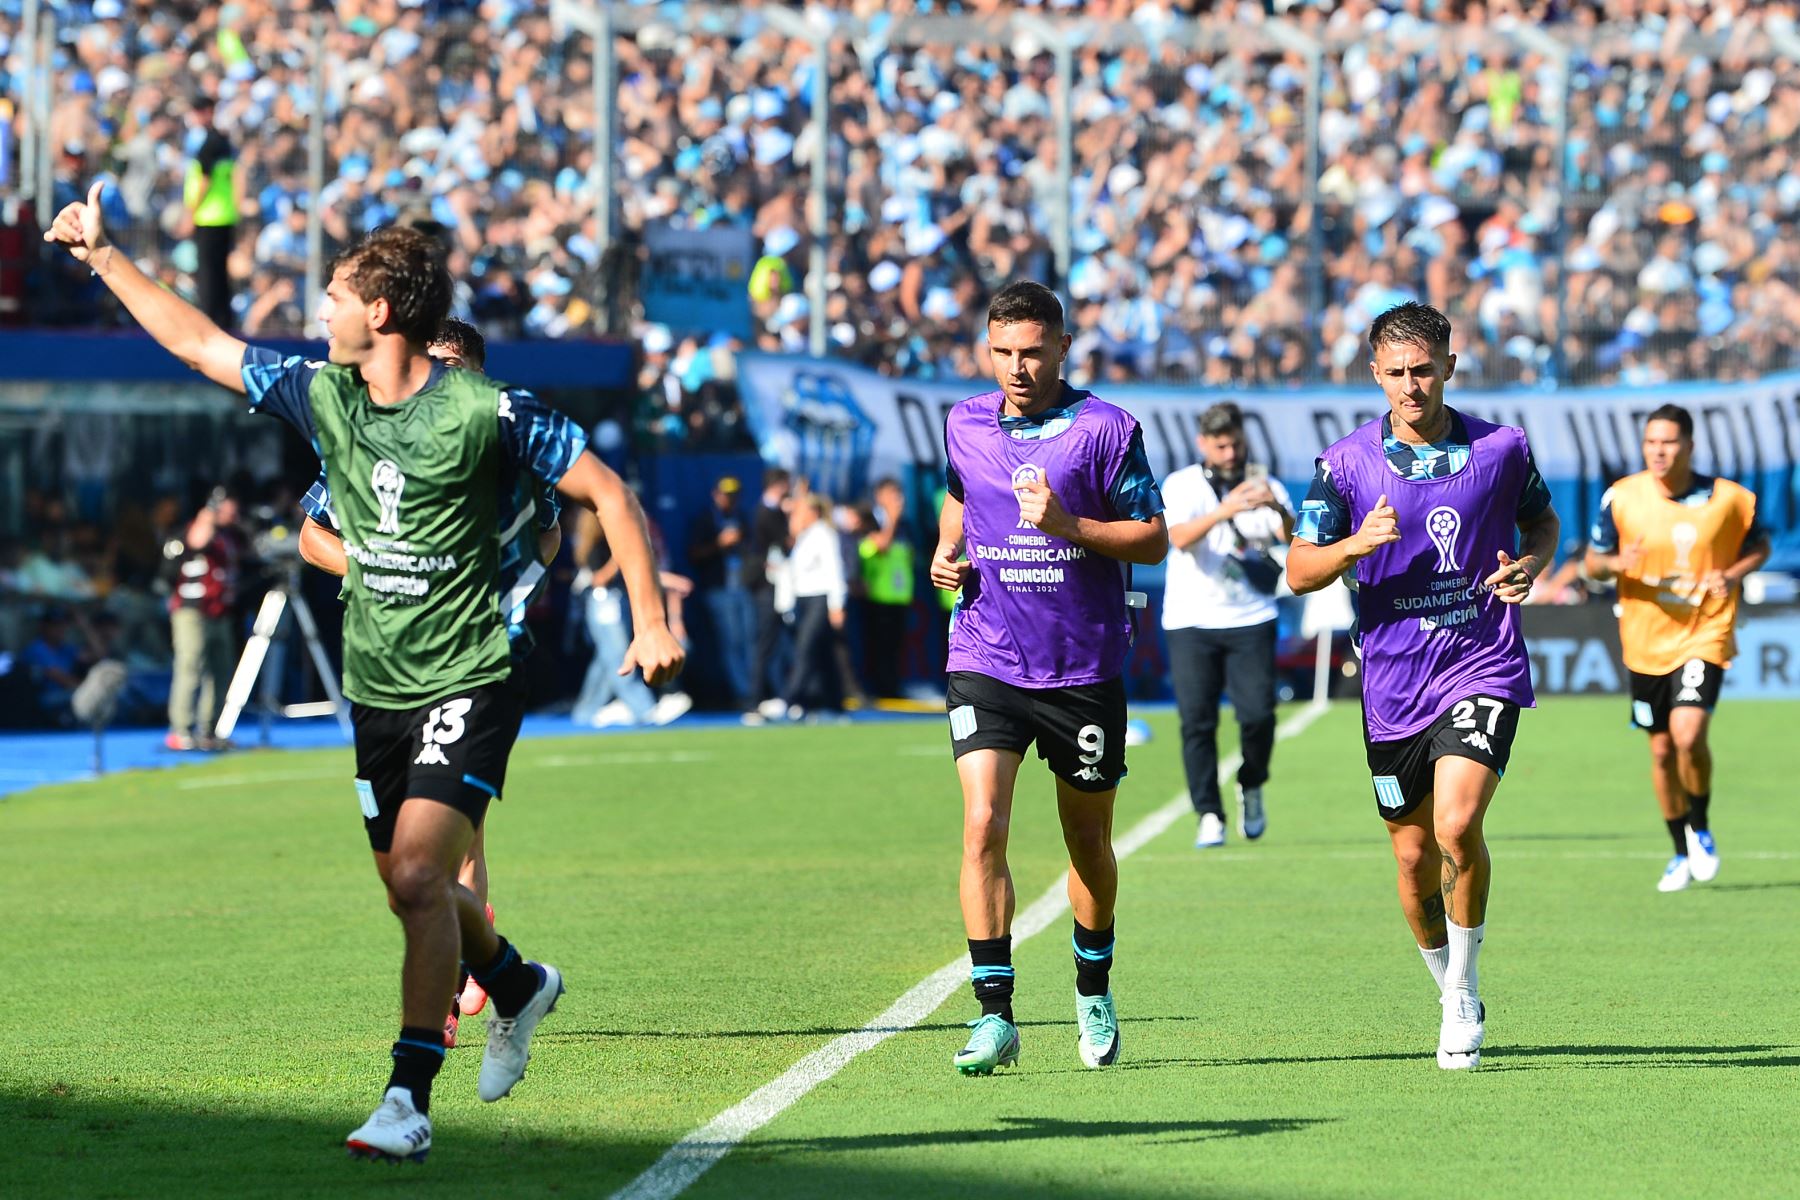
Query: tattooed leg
{"x": 1447, "y": 897}
{"x": 1464, "y": 790}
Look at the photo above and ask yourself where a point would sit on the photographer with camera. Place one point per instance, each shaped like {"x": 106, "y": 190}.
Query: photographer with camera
{"x": 202, "y": 602}
{"x": 1225, "y": 516}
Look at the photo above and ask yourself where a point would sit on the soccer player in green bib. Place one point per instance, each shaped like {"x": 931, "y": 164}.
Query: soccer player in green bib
{"x": 416, "y": 453}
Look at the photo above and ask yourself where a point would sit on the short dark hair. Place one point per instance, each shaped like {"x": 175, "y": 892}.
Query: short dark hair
{"x": 775, "y": 475}
{"x": 406, "y": 268}
{"x": 465, "y": 340}
{"x": 1223, "y": 417}
{"x": 1411, "y": 323}
{"x": 1684, "y": 420}
{"x": 1023, "y": 301}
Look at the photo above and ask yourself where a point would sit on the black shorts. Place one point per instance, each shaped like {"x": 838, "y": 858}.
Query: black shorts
{"x": 1079, "y": 731}
{"x": 1695, "y": 685}
{"x": 453, "y": 750}
{"x": 1480, "y": 727}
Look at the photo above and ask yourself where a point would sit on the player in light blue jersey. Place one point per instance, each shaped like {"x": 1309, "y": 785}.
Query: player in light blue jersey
{"x": 530, "y": 536}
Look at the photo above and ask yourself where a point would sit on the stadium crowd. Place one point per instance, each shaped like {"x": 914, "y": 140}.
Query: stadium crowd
{"x": 1193, "y": 242}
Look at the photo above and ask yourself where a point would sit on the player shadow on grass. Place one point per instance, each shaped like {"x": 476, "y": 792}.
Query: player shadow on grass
{"x": 1499, "y": 1057}
{"x": 1559, "y": 837}
{"x": 1617, "y": 1057}
{"x": 603, "y": 1035}
{"x": 1751, "y": 887}
{"x": 1033, "y": 1129}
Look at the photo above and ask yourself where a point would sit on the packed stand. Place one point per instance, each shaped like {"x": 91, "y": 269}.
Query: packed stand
{"x": 1193, "y": 240}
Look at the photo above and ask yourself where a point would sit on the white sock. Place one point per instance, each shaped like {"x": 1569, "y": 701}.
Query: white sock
{"x": 1465, "y": 945}
{"x": 1439, "y": 961}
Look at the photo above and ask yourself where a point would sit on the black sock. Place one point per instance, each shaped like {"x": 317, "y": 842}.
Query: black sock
{"x": 417, "y": 1056}
{"x": 1678, "y": 835}
{"x": 1093, "y": 959}
{"x": 510, "y": 981}
{"x": 991, "y": 972}
{"x": 1697, "y": 806}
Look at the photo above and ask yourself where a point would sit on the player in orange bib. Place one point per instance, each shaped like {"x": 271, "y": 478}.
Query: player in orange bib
{"x": 1679, "y": 544}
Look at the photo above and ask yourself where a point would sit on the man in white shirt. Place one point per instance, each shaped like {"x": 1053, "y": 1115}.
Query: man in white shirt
{"x": 1219, "y": 613}
{"x": 815, "y": 572}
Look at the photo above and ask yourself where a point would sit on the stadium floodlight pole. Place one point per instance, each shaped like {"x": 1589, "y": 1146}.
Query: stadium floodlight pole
{"x": 45, "y": 55}
{"x": 595, "y": 18}
{"x": 1558, "y": 53}
{"x": 33, "y": 130}
{"x": 605, "y": 137}
{"x": 1291, "y": 39}
{"x": 815, "y": 28}
{"x": 1061, "y": 43}
{"x": 315, "y": 174}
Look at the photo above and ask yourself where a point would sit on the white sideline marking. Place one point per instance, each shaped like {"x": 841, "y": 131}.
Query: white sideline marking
{"x": 629, "y": 758}
{"x": 626, "y": 758}
{"x": 220, "y": 781}
{"x": 690, "y": 1158}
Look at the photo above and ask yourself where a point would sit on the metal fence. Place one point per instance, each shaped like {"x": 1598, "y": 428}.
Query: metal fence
{"x": 1226, "y": 200}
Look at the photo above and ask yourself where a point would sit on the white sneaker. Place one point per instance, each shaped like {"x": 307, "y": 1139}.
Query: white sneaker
{"x": 1703, "y": 856}
{"x": 509, "y": 1038}
{"x": 1251, "y": 819}
{"x": 1212, "y": 832}
{"x": 397, "y": 1131}
{"x": 1461, "y": 1035}
{"x": 773, "y": 709}
{"x": 613, "y": 714}
{"x": 1675, "y": 876}
{"x": 671, "y": 707}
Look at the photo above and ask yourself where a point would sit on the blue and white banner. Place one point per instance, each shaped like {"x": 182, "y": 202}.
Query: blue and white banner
{"x": 853, "y": 425}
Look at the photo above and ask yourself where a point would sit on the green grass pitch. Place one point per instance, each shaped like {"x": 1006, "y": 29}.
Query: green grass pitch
{"x": 200, "y": 981}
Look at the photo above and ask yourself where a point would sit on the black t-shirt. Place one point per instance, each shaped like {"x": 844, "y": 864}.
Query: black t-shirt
{"x": 769, "y": 530}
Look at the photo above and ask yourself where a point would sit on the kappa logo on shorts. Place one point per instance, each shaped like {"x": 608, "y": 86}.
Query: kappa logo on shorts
{"x": 442, "y": 727}
{"x": 1388, "y": 793}
{"x": 1692, "y": 676}
{"x": 1479, "y": 741}
{"x": 962, "y": 722}
{"x": 1089, "y": 775}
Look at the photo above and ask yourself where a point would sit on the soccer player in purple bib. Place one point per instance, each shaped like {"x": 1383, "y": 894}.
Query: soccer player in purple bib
{"x": 1442, "y": 522}
{"x": 1051, "y": 495}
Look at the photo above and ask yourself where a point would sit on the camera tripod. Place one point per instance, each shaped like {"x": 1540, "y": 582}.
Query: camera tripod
{"x": 276, "y": 604}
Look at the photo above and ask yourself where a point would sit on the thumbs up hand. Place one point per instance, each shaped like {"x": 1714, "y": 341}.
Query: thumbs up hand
{"x": 1379, "y": 527}
{"x": 78, "y": 226}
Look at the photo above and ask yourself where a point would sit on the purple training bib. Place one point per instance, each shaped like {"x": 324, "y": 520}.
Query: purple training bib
{"x": 1040, "y": 611}
{"x": 1432, "y": 634}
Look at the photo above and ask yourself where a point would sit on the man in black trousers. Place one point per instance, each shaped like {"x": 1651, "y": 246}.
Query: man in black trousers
{"x": 1219, "y": 614}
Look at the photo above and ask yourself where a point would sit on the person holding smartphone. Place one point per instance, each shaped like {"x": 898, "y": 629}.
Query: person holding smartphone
{"x": 1225, "y": 515}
